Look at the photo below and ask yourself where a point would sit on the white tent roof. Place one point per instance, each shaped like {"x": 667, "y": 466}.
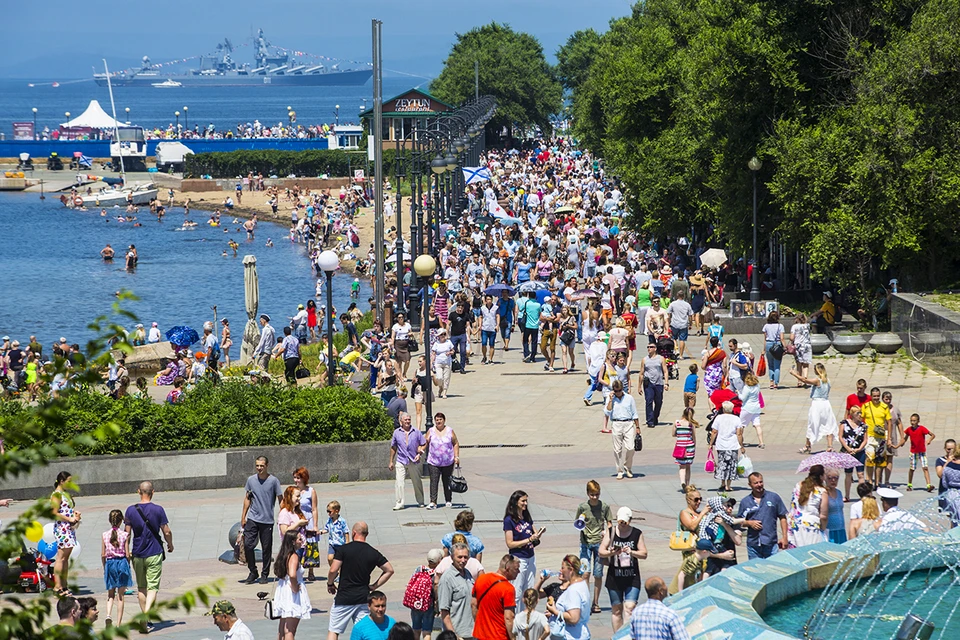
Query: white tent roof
{"x": 94, "y": 117}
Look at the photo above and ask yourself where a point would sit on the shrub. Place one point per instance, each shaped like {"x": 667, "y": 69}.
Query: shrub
{"x": 231, "y": 414}
{"x": 309, "y": 163}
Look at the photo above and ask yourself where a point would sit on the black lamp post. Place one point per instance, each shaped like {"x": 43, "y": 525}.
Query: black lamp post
{"x": 754, "y": 164}
{"x": 68, "y": 124}
{"x": 35, "y": 136}
{"x": 400, "y": 174}
{"x": 186, "y": 123}
{"x": 329, "y": 262}
{"x": 177, "y": 114}
{"x": 425, "y": 266}
{"x": 127, "y": 110}
{"x": 336, "y": 114}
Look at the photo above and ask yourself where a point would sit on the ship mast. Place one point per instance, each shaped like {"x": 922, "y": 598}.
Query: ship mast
{"x": 116, "y": 130}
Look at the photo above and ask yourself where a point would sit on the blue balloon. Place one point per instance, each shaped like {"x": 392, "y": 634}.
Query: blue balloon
{"x": 48, "y": 549}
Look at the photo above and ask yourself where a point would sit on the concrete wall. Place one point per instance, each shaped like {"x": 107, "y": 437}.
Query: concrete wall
{"x": 101, "y": 148}
{"x": 205, "y": 469}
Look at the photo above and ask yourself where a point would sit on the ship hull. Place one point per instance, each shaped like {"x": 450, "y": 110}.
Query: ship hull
{"x": 336, "y": 79}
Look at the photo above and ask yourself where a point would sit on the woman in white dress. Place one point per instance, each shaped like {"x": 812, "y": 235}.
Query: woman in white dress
{"x": 807, "y": 518}
{"x": 290, "y": 601}
{"x": 820, "y": 419}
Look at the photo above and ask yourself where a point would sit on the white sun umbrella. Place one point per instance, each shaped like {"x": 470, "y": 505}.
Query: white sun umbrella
{"x": 713, "y": 258}
{"x": 251, "y": 296}
{"x": 393, "y": 257}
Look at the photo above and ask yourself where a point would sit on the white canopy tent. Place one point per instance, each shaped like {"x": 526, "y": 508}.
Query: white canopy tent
{"x": 94, "y": 117}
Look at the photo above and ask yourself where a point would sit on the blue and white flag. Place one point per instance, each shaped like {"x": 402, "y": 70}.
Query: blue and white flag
{"x": 475, "y": 174}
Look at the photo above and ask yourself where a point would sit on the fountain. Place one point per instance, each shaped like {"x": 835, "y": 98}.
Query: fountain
{"x": 881, "y": 585}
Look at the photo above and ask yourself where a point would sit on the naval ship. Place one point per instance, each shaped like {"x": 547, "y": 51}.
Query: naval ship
{"x": 272, "y": 67}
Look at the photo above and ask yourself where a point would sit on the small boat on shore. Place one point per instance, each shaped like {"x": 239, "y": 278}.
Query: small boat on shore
{"x": 139, "y": 194}
{"x": 167, "y": 84}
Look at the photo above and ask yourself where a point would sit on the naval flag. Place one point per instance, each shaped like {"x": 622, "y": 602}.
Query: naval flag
{"x": 475, "y": 174}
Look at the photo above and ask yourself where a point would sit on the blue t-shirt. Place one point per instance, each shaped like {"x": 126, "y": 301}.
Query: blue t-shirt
{"x": 367, "y": 629}
{"x": 531, "y": 308}
{"x": 522, "y": 529}
{"x": 690, "y": 384}
{"x": 767, "y": 510}
{"x": 523, "y": 272}
{"x": 145, "y": 543}
{"x": 715, "y": 331}
{"x": 476, "y": 546}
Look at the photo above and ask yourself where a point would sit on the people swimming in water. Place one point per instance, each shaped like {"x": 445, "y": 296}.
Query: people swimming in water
{"x": 107, "y": 253}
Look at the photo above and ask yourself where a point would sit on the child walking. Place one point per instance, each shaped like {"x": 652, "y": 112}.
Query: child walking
{"x": 114, "y": 554}
{"x": 690, "y": 387}
{"x": 920, "y": 439}
{"x": 336, "y": 528}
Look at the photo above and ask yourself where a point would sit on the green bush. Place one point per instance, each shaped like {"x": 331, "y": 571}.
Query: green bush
{"x": 310, "y": 163}
{"x": 231, "y": 414}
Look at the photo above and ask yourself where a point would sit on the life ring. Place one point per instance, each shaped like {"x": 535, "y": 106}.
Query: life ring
{"x": 78, "y": 201}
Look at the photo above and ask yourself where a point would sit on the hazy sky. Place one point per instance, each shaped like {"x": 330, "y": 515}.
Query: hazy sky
{"x": 62, "y": 39}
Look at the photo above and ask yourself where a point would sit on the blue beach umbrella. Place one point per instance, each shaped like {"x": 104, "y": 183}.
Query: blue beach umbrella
{"x": 182, "y": 336}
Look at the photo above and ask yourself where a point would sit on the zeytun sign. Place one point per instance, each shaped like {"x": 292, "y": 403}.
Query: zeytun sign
{"x": 413, "y": 104}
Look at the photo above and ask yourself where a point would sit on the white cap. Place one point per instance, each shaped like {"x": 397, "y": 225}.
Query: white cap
{"x": 624, "y": 514}
{"x": 435, "y": 555}
{"x": 891, "y": 494}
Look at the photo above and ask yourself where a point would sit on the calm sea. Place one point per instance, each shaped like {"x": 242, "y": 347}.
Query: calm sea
{"x": 54, "y": 282}
{"x": 223, "y": 106}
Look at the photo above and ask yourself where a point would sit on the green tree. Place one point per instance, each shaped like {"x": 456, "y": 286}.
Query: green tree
{"x": 512, "y": 69}
{"x": 575, "y": 57}
{"x": 25, "y": 618}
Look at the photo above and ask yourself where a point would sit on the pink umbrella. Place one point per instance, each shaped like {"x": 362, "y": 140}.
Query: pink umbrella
{"x": 830, "y": 460}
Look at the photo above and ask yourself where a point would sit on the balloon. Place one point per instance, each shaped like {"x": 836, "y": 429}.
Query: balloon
{"x": 34, "y": 532}
{"x": 76, "y": 552}
{"x": 49, "y": 550}
{"x": 48, "y": 535}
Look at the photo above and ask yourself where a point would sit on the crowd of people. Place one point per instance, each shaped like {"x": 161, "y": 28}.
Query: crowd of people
{"x": 543, "y": 250}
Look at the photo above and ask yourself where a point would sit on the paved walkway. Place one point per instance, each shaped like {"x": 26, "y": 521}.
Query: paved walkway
{"x": 512, "y": 403}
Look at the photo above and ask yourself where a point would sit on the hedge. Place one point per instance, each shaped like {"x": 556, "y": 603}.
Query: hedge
{"x": 270, "y": 162}
{"x": 231, "y": 414}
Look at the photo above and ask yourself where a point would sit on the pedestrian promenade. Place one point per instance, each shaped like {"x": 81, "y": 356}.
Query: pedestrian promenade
{"x": 556, "y": 448}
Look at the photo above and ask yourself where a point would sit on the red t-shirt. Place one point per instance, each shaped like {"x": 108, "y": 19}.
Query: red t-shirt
{"x": 494, "y": 594}
{"x": 918, "y": 438}
{"x": 854, "y": 400}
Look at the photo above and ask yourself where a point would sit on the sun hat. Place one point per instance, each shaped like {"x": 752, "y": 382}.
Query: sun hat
{"x": 223, "y": 608}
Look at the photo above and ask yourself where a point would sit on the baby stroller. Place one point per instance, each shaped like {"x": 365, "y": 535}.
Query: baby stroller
{"x": 666, "y": 349}
{"x": 26, "y": 162}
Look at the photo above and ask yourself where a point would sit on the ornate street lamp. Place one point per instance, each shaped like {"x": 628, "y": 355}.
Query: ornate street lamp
{"x": 426, "y": 266}
{"x": 754, "y": 164}
{"x": 329, "y": 262}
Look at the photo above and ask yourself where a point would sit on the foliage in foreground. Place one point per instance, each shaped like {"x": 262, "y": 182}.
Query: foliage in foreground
{"x": 30, "y": 443}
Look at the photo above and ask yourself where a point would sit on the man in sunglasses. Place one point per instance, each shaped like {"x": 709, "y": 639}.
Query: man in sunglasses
{"x": 621, "y": 409}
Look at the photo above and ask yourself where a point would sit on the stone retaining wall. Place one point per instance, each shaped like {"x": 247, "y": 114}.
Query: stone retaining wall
{"x": 205, "y": 469}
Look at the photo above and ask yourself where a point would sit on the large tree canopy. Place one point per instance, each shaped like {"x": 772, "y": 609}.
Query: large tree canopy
{"x": 575, "y": 57}
{"x": 512, "y": 69}
{"x": 851, "y": 106}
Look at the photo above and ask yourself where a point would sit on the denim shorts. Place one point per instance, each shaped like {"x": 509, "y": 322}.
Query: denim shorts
{"x": 591, "y": 553}
{"x": 679, "y": 334}
{"x": 488, "y": 338}
{"x": 630, "y": 594}
{"x": 423, "y": 620}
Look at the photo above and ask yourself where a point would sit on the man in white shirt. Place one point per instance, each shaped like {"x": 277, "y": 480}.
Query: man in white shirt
{"x": 153, "y": 335}
{"x": 893, "y": 518}
{"x": 680, "y": 314}
{"x": 489, "y": 321}
{"x": 225, "y": 617}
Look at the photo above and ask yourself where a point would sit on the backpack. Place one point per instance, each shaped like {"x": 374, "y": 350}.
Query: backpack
{"x": 419, "y": 592}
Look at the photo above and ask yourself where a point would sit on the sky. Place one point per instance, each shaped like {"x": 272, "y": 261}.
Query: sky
{"x": 64, "y": 39}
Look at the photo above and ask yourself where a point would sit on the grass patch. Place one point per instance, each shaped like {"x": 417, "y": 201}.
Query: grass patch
{"x": 949, "y": 300}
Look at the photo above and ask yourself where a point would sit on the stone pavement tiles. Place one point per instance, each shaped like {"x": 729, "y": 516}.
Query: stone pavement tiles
{"x": 519, "y": 404}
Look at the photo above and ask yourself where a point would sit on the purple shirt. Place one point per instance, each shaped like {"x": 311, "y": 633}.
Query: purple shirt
{"x": 406, "y": 444}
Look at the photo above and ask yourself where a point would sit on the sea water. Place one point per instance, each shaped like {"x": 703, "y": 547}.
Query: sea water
{"x": 223, "y": 106}
{"x": 53, "y": 281}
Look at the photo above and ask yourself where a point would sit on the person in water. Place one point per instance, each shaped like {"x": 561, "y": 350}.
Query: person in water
{"x": 132, "y": 257}
{"x": 107, "y": 253}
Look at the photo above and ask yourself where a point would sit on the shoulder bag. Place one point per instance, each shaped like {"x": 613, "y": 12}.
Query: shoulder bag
{"x": 709, "y": 466}
{"x": 681, "y": 539}
{"x": 149, "y": 527}
{"x": 777, "y": 349}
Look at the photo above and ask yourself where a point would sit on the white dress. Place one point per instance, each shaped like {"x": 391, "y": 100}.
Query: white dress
{"x": 821, "y": 420}
{"x": 288, "y": 604}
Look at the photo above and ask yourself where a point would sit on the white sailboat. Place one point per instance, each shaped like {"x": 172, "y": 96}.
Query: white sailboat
{"x": 113, "y": 196}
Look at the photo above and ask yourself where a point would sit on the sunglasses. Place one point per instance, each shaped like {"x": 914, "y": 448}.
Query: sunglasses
{"x": 698, "y": 499}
